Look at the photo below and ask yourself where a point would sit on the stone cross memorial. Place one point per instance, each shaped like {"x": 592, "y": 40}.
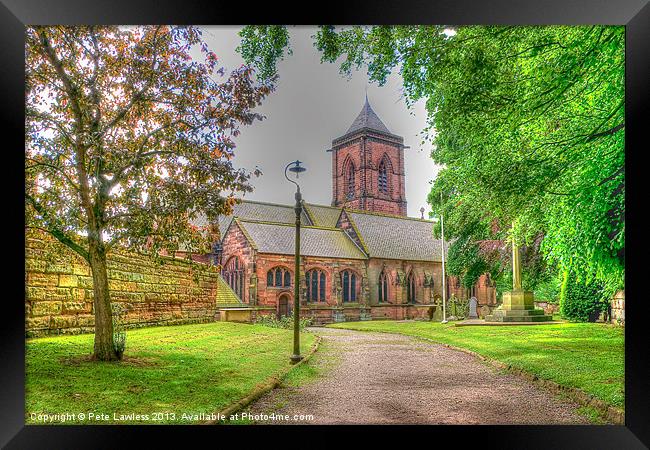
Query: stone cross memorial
{"x": 518, "y": 305}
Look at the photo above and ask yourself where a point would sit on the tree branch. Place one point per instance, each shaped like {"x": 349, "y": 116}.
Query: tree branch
{"x": 609, "y": 132}
{"x": 57, "y": 232}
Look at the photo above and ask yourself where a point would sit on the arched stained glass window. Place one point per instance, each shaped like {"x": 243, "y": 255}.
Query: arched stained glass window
{"x": 410, "y": 285}
{"x": 315, "y": 283}
{"x": 278, "y": 277}
{"x": 383, "y": 287}
{"x": 321, "y": 287}
{"x": 233, "y": 273}
{"x": 349, "y": 284}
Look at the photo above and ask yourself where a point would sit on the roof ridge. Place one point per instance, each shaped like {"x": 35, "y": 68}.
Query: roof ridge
{"x": 392, "y": 216}
{"x": 265, "y": 203}
{"x": 323, "y": 206}
{"x": 284, "y": 224}
{"x": 244, "y": 232}
{"x": 364, "y": 247}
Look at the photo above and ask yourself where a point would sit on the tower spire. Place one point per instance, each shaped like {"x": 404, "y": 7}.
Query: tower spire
{"x": 367, "y": 118}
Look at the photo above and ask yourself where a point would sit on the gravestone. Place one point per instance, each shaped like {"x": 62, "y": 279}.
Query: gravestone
{"x": 472, "y": 308}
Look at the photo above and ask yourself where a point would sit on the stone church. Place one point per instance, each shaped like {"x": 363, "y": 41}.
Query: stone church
{"x": 362, "y": 257}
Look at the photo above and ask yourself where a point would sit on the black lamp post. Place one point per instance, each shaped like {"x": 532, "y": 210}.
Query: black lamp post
{"x": 297, "y": 169}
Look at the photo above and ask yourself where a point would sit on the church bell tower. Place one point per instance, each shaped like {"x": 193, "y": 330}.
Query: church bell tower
{"x": 368, "y": 166}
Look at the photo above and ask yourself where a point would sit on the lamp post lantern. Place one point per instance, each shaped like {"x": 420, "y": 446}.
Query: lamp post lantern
{"x": 297, "y": 169}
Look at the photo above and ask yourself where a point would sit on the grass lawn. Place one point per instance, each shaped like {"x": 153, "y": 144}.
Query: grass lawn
{"x": 587, "y": 356}
{"x": 187, "y": 369}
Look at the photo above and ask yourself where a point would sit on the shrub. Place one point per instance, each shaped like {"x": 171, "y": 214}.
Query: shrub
{"x": 548, "y": 291}
{"x": 457, "y": 307}
{"x": 581, "y": 301}
{"x": 283, "y": 322}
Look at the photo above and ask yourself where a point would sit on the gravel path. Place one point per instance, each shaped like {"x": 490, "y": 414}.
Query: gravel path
{"x": 377, "y": 378}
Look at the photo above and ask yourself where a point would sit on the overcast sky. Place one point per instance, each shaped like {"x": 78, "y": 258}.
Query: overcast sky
{"x": 312, "y": 105}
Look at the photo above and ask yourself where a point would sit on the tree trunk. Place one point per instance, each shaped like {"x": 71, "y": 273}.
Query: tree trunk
{"x": 104, "y": 349}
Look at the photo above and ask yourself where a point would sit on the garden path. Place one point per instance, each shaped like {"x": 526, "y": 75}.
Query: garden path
{"x": 378, "y": 378}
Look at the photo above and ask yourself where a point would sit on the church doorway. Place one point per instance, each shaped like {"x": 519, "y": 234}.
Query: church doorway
{"x": 284, "y": 305}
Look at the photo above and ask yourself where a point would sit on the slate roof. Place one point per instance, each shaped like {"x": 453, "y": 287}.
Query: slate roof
{"x": 392, "y": 237}
{"x": 270, "y": 228}
{"x": 314, "y": 241}
{"x": 267, "y": 212}
{"x": 323, "y": 216}
{"x": 367, "y": 118}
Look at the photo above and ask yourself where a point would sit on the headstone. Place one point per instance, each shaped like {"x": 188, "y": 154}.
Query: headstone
{"x": 472, "y": 308}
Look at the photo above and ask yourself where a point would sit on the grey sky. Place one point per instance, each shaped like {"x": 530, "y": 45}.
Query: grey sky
{"x": 312, "y": 105}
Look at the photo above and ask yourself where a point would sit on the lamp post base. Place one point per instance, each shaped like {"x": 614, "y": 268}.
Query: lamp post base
{"x": 296, "y": 359}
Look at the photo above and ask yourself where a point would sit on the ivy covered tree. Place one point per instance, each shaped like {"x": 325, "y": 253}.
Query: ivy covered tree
{"x": 127, "y": 139}
{"x": 529, "y": 128}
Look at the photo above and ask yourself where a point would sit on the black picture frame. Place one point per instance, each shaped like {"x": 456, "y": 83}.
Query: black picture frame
{"x": 635, "y": 14}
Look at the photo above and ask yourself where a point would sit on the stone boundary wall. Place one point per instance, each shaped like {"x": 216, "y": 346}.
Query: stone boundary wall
{"x": 549, "y": 308}
{"x": 618, "y": 308}
{"x": 59, "y": 289}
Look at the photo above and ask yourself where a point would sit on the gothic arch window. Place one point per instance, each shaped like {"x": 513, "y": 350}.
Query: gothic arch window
{"x": 349, "y": 285}
{"x": 233, "y": 273}
{"x": 349, "y": 180}
{"x": 383, "y": 176}
{"x": 383, "y": 287}
{"x": 410, "y": 286}
{"x": 315, "y": 280}
{"x": 278, "y": 277}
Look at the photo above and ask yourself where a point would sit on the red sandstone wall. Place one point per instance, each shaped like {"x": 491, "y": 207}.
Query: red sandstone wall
{"x": 367, "y": 176}
{"x": 236, "y": 244}
{"x": 484, "y": 292}
{"x": 268, "y": 296}
{"x": 397, "y": 293}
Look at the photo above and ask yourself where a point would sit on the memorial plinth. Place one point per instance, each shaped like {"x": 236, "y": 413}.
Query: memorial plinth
{"x": 518, "y": 306}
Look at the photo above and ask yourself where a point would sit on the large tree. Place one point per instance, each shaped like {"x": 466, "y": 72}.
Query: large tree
{"x": 129, "y": 137}
{"x": 527, "y": 122}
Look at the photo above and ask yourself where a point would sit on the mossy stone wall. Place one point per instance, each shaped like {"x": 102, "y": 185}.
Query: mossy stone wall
{"x": 59, "y": 289}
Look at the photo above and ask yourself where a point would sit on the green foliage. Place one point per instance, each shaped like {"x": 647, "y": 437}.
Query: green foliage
{"x": 465, "y": 260}
{"x": 457, "y": 307}
{"x": 263, "y": 46}
{"x": 285, "y": 322}
{"x": 582, "y": 301}
{"x": 548, "y": 290}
